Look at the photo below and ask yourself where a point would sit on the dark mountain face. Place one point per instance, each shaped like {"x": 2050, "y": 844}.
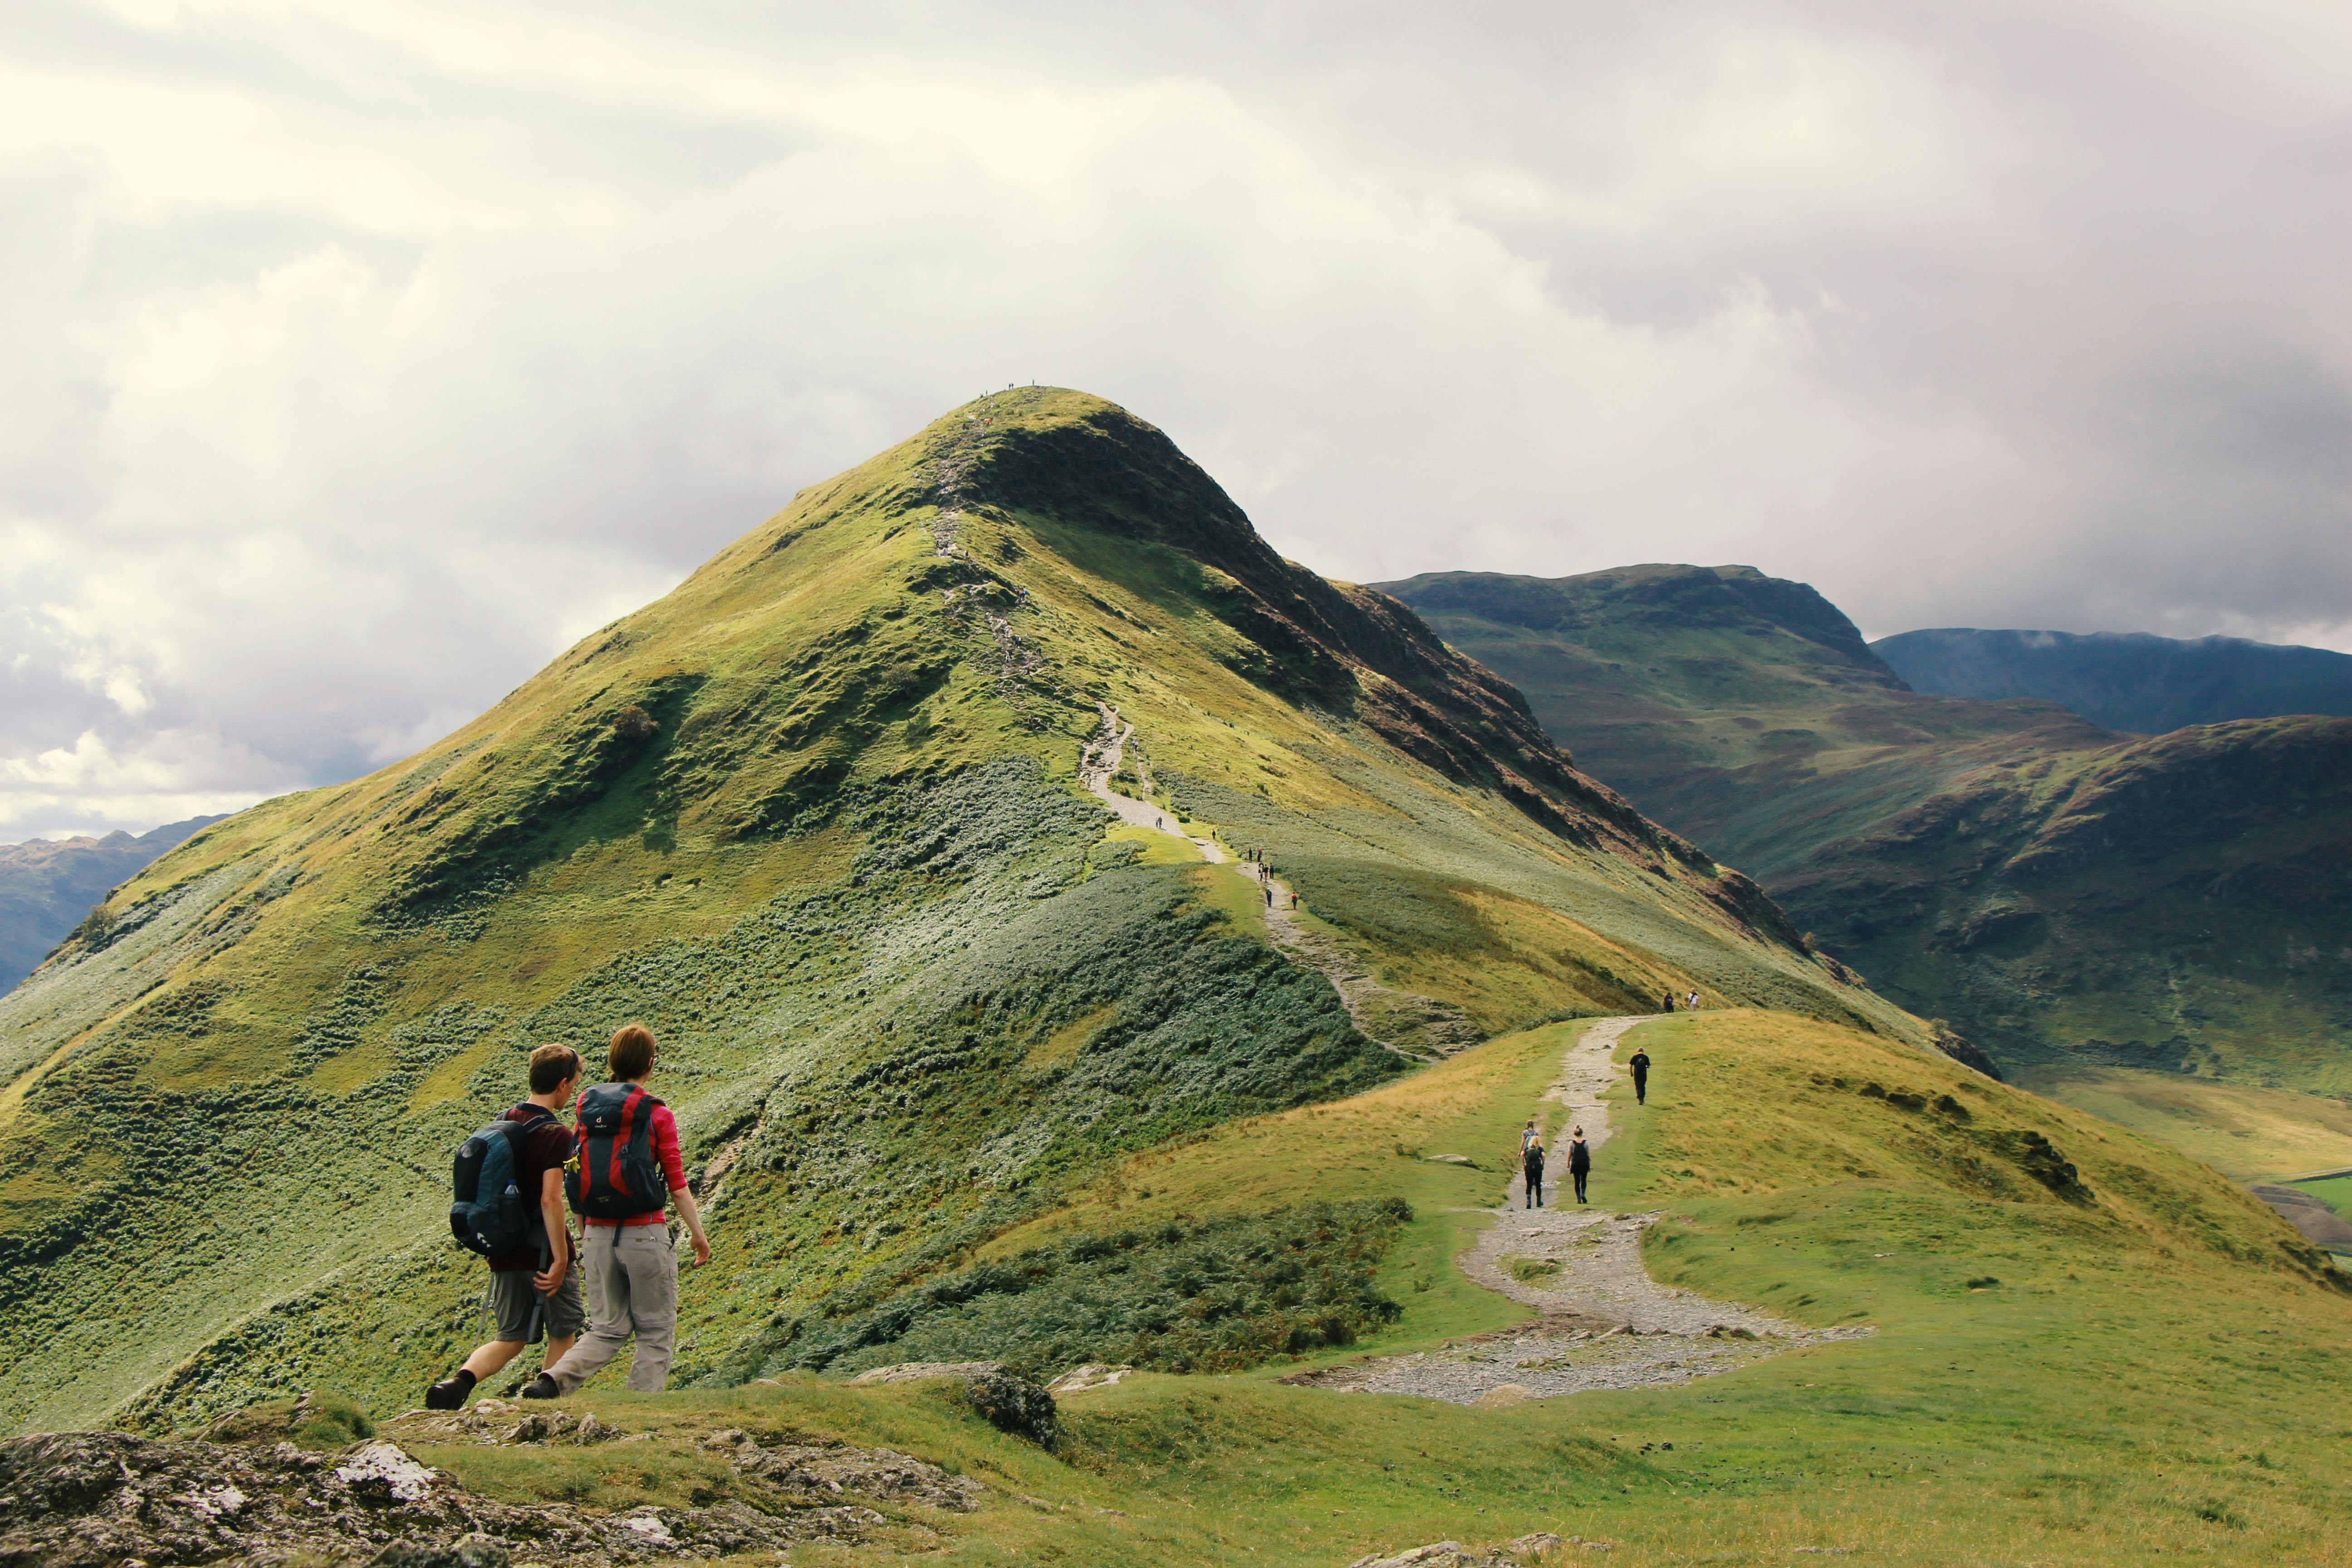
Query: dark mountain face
{"x": 48, "y": 885}
{"x": 2126, "y": 680}
{"x": 2062, "y": 892}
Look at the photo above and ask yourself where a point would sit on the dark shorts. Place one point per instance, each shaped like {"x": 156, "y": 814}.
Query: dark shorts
{"x": 512, "y": 1296}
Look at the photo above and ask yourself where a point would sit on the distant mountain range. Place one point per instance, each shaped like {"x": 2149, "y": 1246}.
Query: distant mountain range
{"x": 2063, "y": 893}
{"x": 47, "y": 885}
{"x": 2126, "y": 680}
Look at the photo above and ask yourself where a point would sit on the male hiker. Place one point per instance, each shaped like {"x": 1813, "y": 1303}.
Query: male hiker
{"x": 625, "y": 1142}
{"x": 1641, "y": 1065}
{"x": 536, "y": 1280}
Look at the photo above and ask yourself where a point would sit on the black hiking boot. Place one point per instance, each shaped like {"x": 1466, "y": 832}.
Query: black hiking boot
{"x": 542, "y": 1387}
{"x": 450, "y": 1393}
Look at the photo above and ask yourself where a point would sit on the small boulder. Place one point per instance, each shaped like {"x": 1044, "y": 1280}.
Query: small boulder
{"x": 1079, "y": 1378}
{"x": 1542, "y": 1541}
{"x": 1010, "y": 1402}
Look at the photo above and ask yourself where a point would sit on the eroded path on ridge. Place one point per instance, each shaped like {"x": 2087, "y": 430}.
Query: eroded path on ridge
{"x": 1605, "y": 1322}
{"x": 1411, "y": 1024}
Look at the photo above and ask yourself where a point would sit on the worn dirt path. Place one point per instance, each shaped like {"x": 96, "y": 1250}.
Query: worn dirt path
{"x": 1411, "y": 1024}
{"x": 1605, "y": 1323}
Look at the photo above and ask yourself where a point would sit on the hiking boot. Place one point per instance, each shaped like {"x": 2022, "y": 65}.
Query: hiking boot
{"x": 543, "y": 1387}
{"x": 449, "y": 1393}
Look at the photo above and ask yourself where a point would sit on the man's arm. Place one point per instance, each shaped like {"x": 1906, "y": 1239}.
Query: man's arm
{"x": 559, "y": 1239}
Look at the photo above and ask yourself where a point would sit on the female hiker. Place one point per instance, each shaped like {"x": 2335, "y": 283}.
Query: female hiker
{"x": 1531, "y": 1163}
{"x": 1580, "y": 1160}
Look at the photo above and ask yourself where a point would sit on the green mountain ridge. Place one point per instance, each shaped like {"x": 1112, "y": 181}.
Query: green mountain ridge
{"x": 815, "y": 817}
{"x": 2126, "y": 680}
{"x": 2065, "y": 895}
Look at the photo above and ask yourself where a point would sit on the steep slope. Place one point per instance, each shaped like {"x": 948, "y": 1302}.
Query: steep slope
{"x": 815, "y": 817}
{"x": 2126, "y": 680}
{"x": 2063, "y": 894}
{"x": 48, "y": 885}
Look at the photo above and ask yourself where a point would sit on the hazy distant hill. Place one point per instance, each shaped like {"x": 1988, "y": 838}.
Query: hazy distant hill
{"x": 47, "y": 885}
{"x": 2059, "y": 891}
{"x": 2126, "y": 680}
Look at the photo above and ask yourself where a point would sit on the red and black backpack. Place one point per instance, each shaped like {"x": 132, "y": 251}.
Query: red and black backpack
{"x": 612, "y": 1173}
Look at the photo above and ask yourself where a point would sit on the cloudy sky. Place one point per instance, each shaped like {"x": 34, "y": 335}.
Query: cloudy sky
{"x": 359, "y": 357}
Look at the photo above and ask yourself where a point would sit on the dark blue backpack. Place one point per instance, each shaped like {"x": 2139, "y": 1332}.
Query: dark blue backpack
{"x": 614, "y": 1174}
{"x": 490, "y": 1213}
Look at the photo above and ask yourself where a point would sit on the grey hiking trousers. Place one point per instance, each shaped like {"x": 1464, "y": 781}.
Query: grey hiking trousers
{"x": 632, "y": 1285}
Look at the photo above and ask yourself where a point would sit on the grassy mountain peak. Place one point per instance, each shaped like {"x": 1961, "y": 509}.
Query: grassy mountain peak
{"x": 816, "y": 817}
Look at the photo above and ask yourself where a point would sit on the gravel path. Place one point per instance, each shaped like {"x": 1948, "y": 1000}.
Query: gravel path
{"x": 1605, "y": 1323}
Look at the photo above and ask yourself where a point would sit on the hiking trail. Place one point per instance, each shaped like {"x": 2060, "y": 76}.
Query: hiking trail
{"x": 1605, "y": 1322}
{"x": 1420, "y": 1027}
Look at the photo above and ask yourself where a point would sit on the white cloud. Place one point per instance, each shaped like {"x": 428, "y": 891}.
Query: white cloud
{"x": 361, "y": 356}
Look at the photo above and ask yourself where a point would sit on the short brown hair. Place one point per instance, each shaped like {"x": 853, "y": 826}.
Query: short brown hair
{"x": 550, "y": 1066}
{"x": 631, "y": 1053}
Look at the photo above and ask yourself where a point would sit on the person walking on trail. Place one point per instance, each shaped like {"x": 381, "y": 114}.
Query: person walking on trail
{"x": 1640, "y": 1063}
{"x": 1531, "y": 1164}
{"x": 625, "y": 1146}
{"x": 1669, "y": 1004}
{"x": 1579, "y": 1160}
{"x": 1691, "y": 1001}
{"x": 1269, "y": 898}
{"x": 534, "y": 1286}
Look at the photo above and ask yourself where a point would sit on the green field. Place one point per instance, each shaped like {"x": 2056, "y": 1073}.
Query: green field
{"x": 2144, "y": 1368}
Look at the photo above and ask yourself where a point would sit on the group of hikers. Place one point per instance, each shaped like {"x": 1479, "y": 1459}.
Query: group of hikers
{"x": 616, "y": 1165}
{"x": 1255, "y": 860}
{"x": 618, "y": 1168}
{"x": 1580, "y": 1153}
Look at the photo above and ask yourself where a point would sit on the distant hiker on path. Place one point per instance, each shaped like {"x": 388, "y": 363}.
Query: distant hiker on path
{"x": 1641, "y": 1065}
{"x": 533, "y": 1283}
{"x": 1579, "y": 1160}
{"x": 1669, "y": 1005}
{"x": 626, "y": 1143}
{"x": 1692, "y": 1000}
{"x": 1531, "y": 1163}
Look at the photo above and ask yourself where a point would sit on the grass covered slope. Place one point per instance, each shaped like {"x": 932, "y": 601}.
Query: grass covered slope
{"x": 2088, "y": 1348}
{"x": 813, "y": 817}
{"x": 2063, "y": 894}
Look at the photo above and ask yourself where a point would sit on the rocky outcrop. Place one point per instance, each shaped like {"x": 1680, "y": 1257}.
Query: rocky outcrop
{"x": 80, "y": 1499}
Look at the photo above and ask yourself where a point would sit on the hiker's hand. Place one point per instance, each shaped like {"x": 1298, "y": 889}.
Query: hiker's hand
{"x": 552, "y": 1279}
{"x": 701, "y": 1248}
